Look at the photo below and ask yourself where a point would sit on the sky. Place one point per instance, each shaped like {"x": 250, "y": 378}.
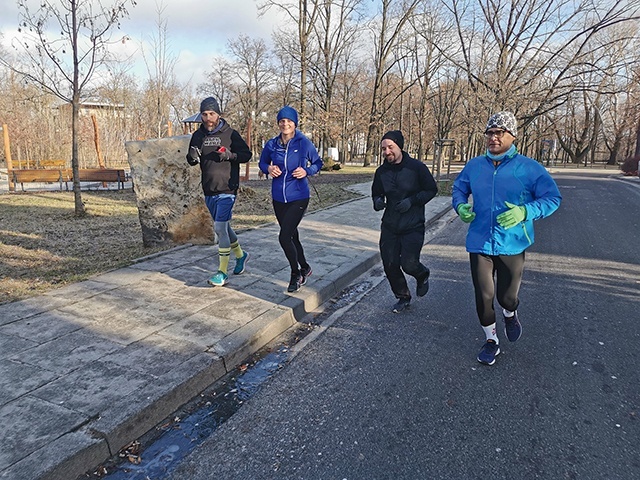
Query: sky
{"x": 198, "y": 30}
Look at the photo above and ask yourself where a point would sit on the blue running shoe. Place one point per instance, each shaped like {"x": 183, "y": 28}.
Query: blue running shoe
{"x": 489, "y": 352}
{"x": 219, "y": 279}
{"x": 512, "y": 327}
{"x": 240, "y": 263}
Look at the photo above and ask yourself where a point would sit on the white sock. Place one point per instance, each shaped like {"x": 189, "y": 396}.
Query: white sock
{"x": 490, "y": 332}
{"x": 508, "y": 313}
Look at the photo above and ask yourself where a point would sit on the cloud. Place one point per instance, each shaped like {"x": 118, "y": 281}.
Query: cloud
{"x": 197, "y": 30}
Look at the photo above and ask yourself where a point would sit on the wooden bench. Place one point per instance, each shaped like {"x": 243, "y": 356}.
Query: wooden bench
{"x": 65, "y": 175}
{"x": 31, "y": 175}
{"x": 103, "y": 175}
{"x": 56, "y": 164}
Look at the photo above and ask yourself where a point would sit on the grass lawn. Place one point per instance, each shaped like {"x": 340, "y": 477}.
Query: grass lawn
{"x": 44, "y": 246}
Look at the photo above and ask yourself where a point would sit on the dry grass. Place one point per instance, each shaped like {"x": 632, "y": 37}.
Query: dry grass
{"x": 43, "y": 245}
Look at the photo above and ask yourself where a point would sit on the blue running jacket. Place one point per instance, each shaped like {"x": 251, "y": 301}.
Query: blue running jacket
{"x": 299, "y": 152}
{"x": 518, "y": 180}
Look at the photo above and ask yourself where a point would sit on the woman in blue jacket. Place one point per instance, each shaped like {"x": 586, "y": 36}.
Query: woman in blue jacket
{"x": 289, "y": 159}
{"x": 509, "y": 192}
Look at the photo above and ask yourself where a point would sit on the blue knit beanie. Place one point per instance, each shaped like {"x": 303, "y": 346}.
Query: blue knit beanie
{"x": 288, "y": 113}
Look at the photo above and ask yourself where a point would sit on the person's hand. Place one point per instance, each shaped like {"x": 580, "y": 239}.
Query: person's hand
{"x": 299, "y": 173}
{"x": 274, "y": 171}
{"x": 465, "y": 213}
{"x": 193, "y": 158}
{"x": 403, "y": 205}
{"x": 513, "y": 216}
{"x": 226, "y": 155}
{"x": 379, "y": 204}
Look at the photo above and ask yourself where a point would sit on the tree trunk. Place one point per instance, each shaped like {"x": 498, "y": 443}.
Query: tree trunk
{"x": 637, "y": 153}
{"x": 75, "y": 108}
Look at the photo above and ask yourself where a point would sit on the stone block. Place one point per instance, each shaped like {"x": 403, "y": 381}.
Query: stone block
{"x": 168, "y": 193}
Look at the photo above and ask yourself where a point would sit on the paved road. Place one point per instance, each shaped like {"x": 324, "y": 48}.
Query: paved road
{"x": 384, "y": 396}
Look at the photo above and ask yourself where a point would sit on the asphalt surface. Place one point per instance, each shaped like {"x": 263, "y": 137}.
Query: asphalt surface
{"x": 88, "y": 368}
{"x": 401, "y": 396}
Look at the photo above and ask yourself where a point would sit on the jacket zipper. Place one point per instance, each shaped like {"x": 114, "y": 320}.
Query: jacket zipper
{"x": 286, "y": 169}
{"x": 493, "y": 199}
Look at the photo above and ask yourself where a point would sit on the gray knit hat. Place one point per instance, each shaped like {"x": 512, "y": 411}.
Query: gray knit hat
{"x": 504, "y": 120}
{"x": 210, "y": 104}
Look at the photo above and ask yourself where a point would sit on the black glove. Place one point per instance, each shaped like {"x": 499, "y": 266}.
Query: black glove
{"x": 403, "y": 205}
{"x": 193, "y": 157}
{"x": 226, "y": 155}
{"x": 379, "y": 204}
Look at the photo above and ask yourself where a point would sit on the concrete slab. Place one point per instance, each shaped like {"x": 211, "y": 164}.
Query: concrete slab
{"x": 88, "y": 368}
{"x": 30, "y": 424}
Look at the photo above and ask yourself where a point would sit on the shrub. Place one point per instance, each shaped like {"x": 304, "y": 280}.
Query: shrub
{"x": 630, "y": 166}
{"x": 330, "y": 164}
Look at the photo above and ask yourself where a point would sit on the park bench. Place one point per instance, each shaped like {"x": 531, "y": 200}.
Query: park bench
{"x": 65, "y": 175}
{"x": 56, "y": 164}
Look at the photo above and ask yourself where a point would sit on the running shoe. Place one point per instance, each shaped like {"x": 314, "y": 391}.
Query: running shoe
{"x": 304, "y": 274}
{"x": 512, "y": 327}
{"x": 240, "y": 264}
{"x": 489, "y": 352}
{"x": 219, "y": 279}
{"x": 402, "y": 304}
{"x": 294, "y": 283}
{"x": 422, "y": 286}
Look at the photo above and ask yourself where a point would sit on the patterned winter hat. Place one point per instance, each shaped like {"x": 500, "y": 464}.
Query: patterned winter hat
{"x": 504, "y": 120}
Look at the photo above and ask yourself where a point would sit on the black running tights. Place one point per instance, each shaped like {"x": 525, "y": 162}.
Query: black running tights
{"x": 508, "y": 270}
{"x": 289, "y": 216}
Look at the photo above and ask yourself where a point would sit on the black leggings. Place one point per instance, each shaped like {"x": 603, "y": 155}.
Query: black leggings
{"x": 289, "y": 216}
{"x": 401, "y": 252}
{"x": 509, "y": 269}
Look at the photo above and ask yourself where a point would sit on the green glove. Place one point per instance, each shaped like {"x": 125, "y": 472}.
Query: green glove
{"x": 466, "y": 215}
{"x": 513, "y": 216}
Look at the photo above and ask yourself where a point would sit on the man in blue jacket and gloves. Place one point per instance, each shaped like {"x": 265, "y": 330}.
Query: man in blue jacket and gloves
{"x": 509, "y": 192}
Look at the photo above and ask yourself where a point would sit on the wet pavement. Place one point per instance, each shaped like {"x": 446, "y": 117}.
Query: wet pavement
{"x": 91, "y": 367}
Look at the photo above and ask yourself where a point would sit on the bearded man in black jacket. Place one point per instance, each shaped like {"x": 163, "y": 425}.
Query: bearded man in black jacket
{"x": 402, "y": 186}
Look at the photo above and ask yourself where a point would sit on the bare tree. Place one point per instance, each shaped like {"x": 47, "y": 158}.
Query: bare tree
{"x": 162, "y": 86}
{"x": 219, "y": 82}
{"x": 64, "y": 64}
{"x": 304, "y": 14}
{"x": 335, "y": 34}
{"x": 432, "y": 35}
{"x": 284, "y": 73}
{"x": 387, "y": 30}
{"x": 531, "y": 56}
{"x": 253, "y": 75}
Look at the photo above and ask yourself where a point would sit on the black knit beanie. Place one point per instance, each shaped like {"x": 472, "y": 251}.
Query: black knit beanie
{"x": 396, "y": 137}
{"x": 210, "y": 104}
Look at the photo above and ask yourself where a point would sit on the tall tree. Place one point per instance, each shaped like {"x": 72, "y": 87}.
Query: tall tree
{"x": 387, "y": 29}
{"x": 529, "y": 57}
{"x": 61, "y": 46}
{"x": 336, "y": 35}
{"x": 304, "y": 14}
{"x": 162, "y": 86}
{"x": 253, "y": 77}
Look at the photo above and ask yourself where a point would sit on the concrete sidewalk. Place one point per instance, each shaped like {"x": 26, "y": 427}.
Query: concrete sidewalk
{"x": 88, "y": 368}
